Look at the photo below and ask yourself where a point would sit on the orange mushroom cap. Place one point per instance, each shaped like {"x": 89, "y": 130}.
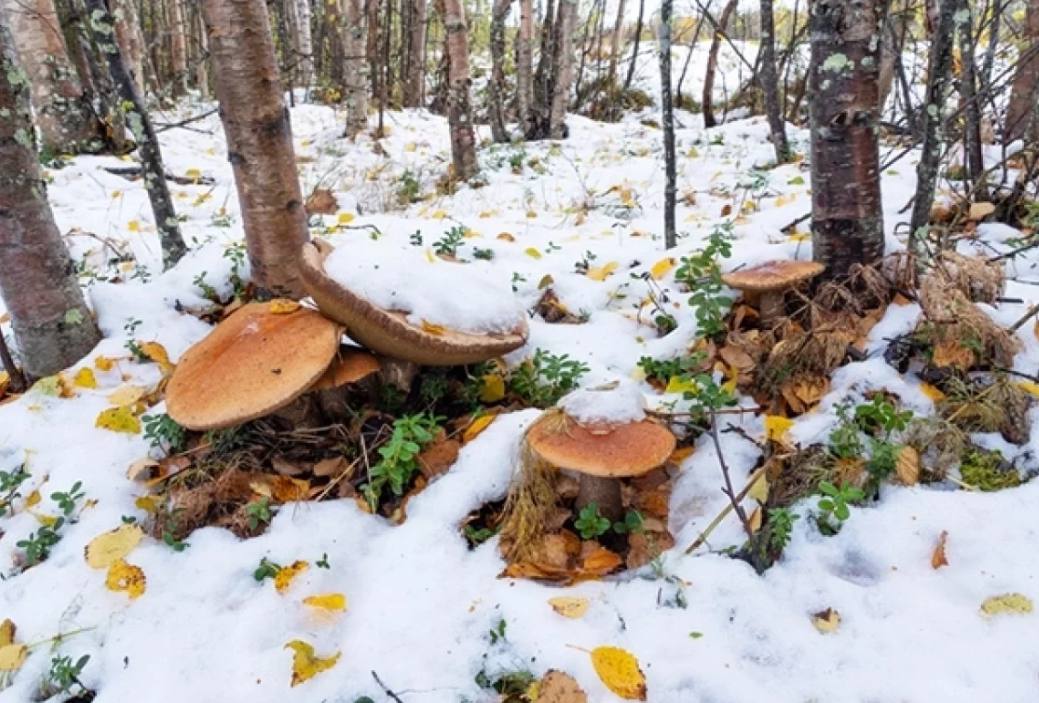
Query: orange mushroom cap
{"x": 251, "y": 364}
{"x": 349, "y": 367}
{"x": 607, "y": 451}
{"x": 773, "y": 275}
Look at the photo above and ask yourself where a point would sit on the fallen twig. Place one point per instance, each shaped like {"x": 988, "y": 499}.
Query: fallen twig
{"x": 386, "y": 688}
{"x": 699, "y": 541}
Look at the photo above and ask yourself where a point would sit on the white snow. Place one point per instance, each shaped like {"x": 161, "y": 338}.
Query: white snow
{"x": 614, "y": 404}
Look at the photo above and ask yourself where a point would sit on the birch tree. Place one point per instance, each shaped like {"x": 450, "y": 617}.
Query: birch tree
{"x": 356, "y": 68}
{"x": 459, "y": 112}
{"x": 770, "y": 84}
{"x": 668, "y": 120}
{"x": 415, "y": 71}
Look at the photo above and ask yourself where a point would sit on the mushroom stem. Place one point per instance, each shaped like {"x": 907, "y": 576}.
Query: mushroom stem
{"x": 604, "y": 492}
{"x": 773, "y": 305}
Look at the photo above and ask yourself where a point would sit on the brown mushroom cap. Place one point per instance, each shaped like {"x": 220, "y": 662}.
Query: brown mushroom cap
{"x": 607, "y": 451}
{"x": 349, "y": 367}
{"x": 773, "y": 275}
{"x": 389, "y": 332}
{"x": 253, "y": 363}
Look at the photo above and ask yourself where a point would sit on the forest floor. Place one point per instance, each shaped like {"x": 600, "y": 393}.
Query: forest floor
{"x": 424, "y": 611}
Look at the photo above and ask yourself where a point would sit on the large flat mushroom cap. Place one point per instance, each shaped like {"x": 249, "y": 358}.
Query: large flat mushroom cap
{"x": 773, "y": 275}
{"x": 389, "y": 332}
{"x": 607, "y": 451}
{"x": 253, "y": 363}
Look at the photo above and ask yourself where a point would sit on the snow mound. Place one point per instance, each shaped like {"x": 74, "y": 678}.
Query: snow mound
{"x": 617, "y": 405}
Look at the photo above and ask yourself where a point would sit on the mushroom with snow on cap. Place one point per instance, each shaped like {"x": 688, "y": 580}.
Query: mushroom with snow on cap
{"x": 390, "y": 332}
{"x": 770, "y": 282}
{"x": 255, "y": 362}
{"x": 600, "y": 453}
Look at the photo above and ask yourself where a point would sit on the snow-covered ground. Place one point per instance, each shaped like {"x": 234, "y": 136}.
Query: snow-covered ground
{"x": 421, "y": 604}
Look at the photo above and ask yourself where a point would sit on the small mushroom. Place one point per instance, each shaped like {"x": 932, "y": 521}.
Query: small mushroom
{"x": 388, "y": 331}
{"x": 252, "y": 364}
{"x": 771, "y": 281}
{"x": 350, "y": 368}
{"x": 601, "y": 454}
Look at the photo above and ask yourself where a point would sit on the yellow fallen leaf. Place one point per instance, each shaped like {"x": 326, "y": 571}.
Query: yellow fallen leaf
{"x": 662, "y": 268}
{"x": 1030, "y": 387}
{"x": 7, "y": 629}
{"x": 776, "y": 427}
{"x": 104, "y": 363}
{"x": 110, "y": 547}
{"x": 477, "y": 426}
{"x": 85, "y": 378}
{"x": 193, "y": 174}
{"x": 532, "y": 252}
{"x": 619, "y": 671}
{"x": 127, "y": 394}
{"x": 759, "y": 491}
{"x": 126, "y": 577}
{"x": 492, "y": 388}
{"x": 286, "y": 574}
{"x": 12, "y": 656}
{"x": 433, "y": 329}
{"x": 283, "y": 306}
{"x": 133, "y": 226}
{"x": 1007, "y": 603}
{"x": 506, "y": 237}
{"x": 33, "y": 498}
{"x": 569, "y": 606}
{"x": 826, "y": 621}
{"x": 44, "y": 519}
{"x": 931, "y": 392}
{"x": 327, "y": 601}
{"x": 147, "y": 503}
{"x": 938, "y": 559}
{"x": 344, "y": 218}
{"x": 599, "y": 273}
{"x": 680, "y": 384}
{"x": 305, "y": 664}
{"x": 119, "y": 419}
{"x": 157, "y": 353}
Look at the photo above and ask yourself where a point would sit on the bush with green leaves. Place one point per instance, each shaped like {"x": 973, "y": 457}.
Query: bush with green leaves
{"x": 701, "y": 272}
{"x": 63, "y": 675}
{"x": 835, "y": 505}
{"x": 448, "y": 244}
{"x": 541, "y": 380}
{"x": 398, "y": 460}
{"x": 869, "y": 432}
{"x": 163, "y": 433}
{"x": 10, "y": 485}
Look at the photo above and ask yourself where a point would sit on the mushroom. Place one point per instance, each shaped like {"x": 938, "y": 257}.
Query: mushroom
{"x": 771, "y": 281}
{"x": 252, "y": 364}
{"x": 350, "y": 367}
{"x": 601, "y": 453}
{"x": 388, "y": 331}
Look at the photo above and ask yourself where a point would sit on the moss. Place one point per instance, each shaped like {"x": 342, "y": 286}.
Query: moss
{"x": 987, "y": 471}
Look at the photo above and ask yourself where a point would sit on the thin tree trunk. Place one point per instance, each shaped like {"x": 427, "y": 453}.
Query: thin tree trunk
{"x": 1024, "y": 93}
{"x": 847, "y": 220}
{"x": 173, "y": 248}
{"x": 496, "y": 85}
{"x": 52, "y": 325}
{"x": 635, "y": 47}
{"x": 459, "y": 113}
{"x": 975, "y": 162}
{"x": 415, "y": 83}
{"x": 259, "y": 141}
{"x": 540, "y": 114}
{"x": 131, "y": 41}
{"x": 564, "y": 71}
{"x": 356, "y": 68}
{"x": 304, "y": 42}
{"x": 688, "y": 59}
{"x": 668, "y": 120}
{"x": 201, "y": 72}
{"x": 615, "y": 46}
{"x": 993, "y": 44}
{"x": 372, "y": 44}
{"x": 938, "y": 65}
{"x": 178, "y": 50}
{"x": 525, "y": 65}
{"x": 770, "y": 84}
{"x": 712, "y": 65}
{"x": 63, "y": 114}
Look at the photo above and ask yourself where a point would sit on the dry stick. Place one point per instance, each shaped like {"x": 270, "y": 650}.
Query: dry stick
{"x": 1024, "y": 318}
{"x": 725, "y": 511}
{"x": 385, "y": 688}
{"x": 740, "y": 513}
{"x": 18, "y": 383}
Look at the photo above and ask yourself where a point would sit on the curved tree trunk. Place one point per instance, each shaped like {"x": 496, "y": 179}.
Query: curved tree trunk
{"x": 496, "y": 85}
{"x": 770, "y": 84}
{"x": 415, "y": 79}
{"x": 635, "y": 47}
{"x": 356, "y": 68}
{"x": 459, "y": 113}
{"x": 564, "y": 73}
{"x": 525, "y": 65}
{"x": 102, "y": 23}
{"x": 51, "y": 322}
{"x": 615, "y": 46}
{"x": 847, "y": 220}
{"x": 259, "y": 141}
{"x": 712, "y": 65}
{"x": 1024, "y": 94}
{"x": 63, "y": 114}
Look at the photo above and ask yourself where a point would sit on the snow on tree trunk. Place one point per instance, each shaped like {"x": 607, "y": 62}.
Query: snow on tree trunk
{"x": 178, "y": 50}
{"x": 931, "y": 119}
{"x": 63, "y": 114}
{"x": 525, "y": 64}
{"x": 668, "y": 120}
{"x": 154, "y": 174}
{"x": 1024, "y": 93}
{"x": 847, "y": 220}
{"x": 51, "y": 322}
{"x": 355, "y": 68}
{"x": 770, "y": 84}
{"x": 459, "y": 113}
{"x": 496, "y": 85}
{"x": 564, "y": 71}
{"x": 259, "y": 141}
{"x": 712, "y": 65}
{"x": 415, "y": 74}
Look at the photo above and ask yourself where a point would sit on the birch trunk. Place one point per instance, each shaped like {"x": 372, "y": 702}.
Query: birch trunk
{"x": 615, "y": 47}
{"x": 847, "y": 220}
{"x": 564, "y": 72}
{"x": 178, "y": 50}
{"x": 52, "y": 325}
{"x": 259, "y": 141}
{"x": 525, "y": 64}
{"x": 415, "y": 80}
{"x": 356, "y": 68}
{"x": 770, "y": 84}
{"x": 668, "y": 124}
{"x": 304, "y": 42}
{"x": 712, "y": 65}
{"x": 635, "y": 47}
{"x": 459, "y": 113}
{"x": 496, "y": 85}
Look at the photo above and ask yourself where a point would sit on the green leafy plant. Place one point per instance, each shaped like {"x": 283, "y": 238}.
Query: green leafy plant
{"x": 409, "y": 190}
{"x": 66, "y": 500}
{"x": 483, "y": 254}
{"x": 590, "y": 523}
{"x": 10, "y": 484}
{"x": 163, "y": 433}
{"x": 235, "y": 253}
{"x": 171, "y": 541}
{"x": 633, "y": 523}
{"x": 663, "y": 370}
{"x": 266, "y": 570}
{"x": 781, "y": 525}
{"x": 322, "y": 563}
{"x": 258, "y": 512}
{"x": 497, "y": 633}
{"x": 478, "y": 535}
{"x": 701, "y": 273}
{"x": 64, "y": 674}
{"x": 835, "y": 505}
{"x": 399, "y": 456}
{"x": 208, "y": 291}
{"x": 448, "y": 244}
{"x": 544, "y": 378}
{"x": 37, "y": 546}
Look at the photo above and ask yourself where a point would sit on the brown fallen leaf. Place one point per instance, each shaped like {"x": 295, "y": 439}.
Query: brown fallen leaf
{"x": 907, "y": 466}
{"x": 559, "y": 687}
{"x": 322, "y": 202}
{"x": 826, "y": 621}
{"x": 938, "y": 559}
